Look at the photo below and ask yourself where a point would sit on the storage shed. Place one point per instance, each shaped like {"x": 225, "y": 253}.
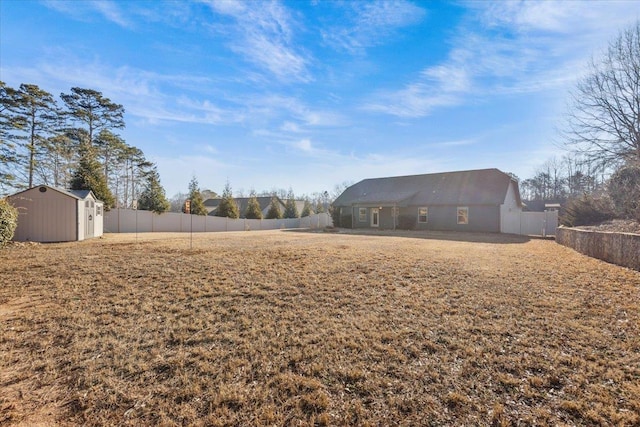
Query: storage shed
{"x": 50, "y": 214}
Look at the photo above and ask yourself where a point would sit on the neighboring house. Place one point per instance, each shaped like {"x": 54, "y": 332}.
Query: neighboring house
{"x": 49, "y": 214}
{"x": 486, "y": 200}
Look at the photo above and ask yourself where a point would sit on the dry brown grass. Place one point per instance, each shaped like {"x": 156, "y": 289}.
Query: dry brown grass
{"x": 285, "y": 328}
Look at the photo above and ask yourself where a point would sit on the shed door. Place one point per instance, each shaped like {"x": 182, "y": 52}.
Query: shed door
{"x": 89, "y": 214}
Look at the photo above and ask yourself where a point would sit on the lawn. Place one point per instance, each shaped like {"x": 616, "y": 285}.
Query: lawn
{"x": 311, "y": 328}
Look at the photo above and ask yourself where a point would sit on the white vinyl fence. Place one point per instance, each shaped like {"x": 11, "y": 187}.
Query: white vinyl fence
{"x": 539, "y": 223}
{"x": 132, "y": 221}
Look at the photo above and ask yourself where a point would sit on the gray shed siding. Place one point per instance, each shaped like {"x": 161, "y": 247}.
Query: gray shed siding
{"x": 56, "y": 215}
{"x": 45, "y": 217}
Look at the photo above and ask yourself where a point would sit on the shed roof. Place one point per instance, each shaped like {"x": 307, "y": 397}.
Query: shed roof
{"x": 75, "y": 194}
{"x": 473, "y": 187}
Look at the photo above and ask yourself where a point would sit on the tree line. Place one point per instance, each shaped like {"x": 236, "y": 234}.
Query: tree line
{"x": 193, "y": 202}
{"x": 600, "y": 179}
{"x": 73, "y": 143}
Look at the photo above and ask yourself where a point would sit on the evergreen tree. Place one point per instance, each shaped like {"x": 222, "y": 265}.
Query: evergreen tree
{"x": 253, "y": 208}
{"x": 197, "y": 202}
{"x": 228, "y": 206}
{"x": 290, "y": 208}
{"x": 88, "y": 176}
{"x": 306, "y": 210}
{"x": 153, "y": 197}
{"x": 61, "y": 159}
{"x": 274, "y": 209}
{"x": 8, "y": 155}
{"x": 92, "y": 109}
{"x": 112, "y": 151}
{"x": 36, "y": 111}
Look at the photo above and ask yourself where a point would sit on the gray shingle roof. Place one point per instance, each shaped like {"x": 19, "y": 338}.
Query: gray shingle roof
{"x": 474, "y": 187}
{"x": 75, "y": 194}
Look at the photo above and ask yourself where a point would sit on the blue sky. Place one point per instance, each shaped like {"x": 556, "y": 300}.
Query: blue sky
{"x": 309, "y": 94}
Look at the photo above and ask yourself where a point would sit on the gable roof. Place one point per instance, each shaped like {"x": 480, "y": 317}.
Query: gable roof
{"x": 75, "y": 194}
{"x": 474, "y": 187}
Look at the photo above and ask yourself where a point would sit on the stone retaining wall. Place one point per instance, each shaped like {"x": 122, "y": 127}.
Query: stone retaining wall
{"x": 617, "y": 248}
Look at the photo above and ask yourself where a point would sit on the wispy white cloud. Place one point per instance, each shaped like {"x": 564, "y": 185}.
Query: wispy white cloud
{"x": 263, "y": 35}
{"x": 86, "y": 10}
{"x": 565, "y": 17}
{"x": 146, "y": 95}
{"x": 510, "y": 47}
{"x": 294, "y": 115}
{"x": 305, "y": 145}
{"x": 371, "y": 24}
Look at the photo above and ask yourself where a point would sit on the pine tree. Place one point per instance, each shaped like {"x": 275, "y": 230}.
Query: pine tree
{"x": 197, "y": 202}
{"x": 8, "y": 124}
{"x": 274, "y": 209}
{"x": 88, "y": 176}
{"x": 92, "y": 109}
{"x": 306, "y": 210}
{"x": 36, "y": 111}
{"x": 253, "y": 208}
{"x": 228, "y": 206}
{"x": 153, "y": 197}
{"x": 290, "y": 208}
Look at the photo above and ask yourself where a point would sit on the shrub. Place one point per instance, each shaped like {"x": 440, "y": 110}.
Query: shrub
{"x": 274, "y": 209}
{"x": 335, "y": 215}
{"x": 407, "y": 222}
{"x": 253, "y": 208}
{"x": 8, "y": 221}
{"x": 624, "y": 190}
{"x": 587, "y": 210}
{"x": 346, "y": 221}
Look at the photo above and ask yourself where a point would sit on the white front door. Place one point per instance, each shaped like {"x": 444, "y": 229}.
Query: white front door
{"x": 375, "y": 217}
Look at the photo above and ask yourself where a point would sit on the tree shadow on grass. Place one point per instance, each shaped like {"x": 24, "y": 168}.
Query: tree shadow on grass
{"x": 454, "y": 236}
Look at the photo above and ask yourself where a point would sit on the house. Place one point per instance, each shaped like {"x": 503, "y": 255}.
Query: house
{"x": 242, "y": 202}
{"x": 485, "y": 200}
{"x": 50, "y": 214}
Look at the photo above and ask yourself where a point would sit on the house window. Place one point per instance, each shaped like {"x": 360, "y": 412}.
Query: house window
{"x": 463, "y": 215}
{"x": 98, "y": 210}
{"x": 423, "y": 215}
{"x": 362, "y": 214}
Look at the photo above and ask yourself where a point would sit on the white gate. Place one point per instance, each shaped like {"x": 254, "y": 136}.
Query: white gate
{"x": 539, "y": 223}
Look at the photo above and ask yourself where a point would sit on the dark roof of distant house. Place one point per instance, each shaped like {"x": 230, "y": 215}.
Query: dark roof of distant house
{"x": 473, "y": 187}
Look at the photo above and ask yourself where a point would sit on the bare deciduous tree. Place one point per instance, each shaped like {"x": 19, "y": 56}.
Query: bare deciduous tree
{"x": 604, "y": 122}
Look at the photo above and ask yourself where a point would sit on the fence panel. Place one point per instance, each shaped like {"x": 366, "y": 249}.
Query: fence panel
{"x": 131, "y": 221}
{"x": 539, "y": 223}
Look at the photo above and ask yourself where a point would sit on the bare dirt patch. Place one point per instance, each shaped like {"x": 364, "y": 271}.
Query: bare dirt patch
{"x": 292, "y": 328}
